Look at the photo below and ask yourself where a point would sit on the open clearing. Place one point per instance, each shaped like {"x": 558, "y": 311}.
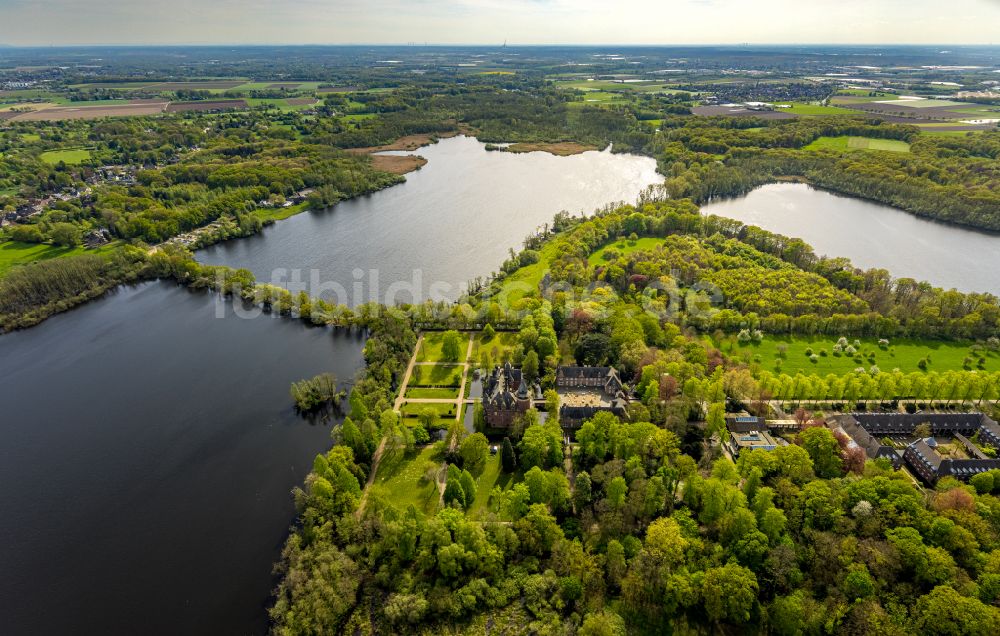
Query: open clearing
{"x": 858, "y": 143}
{"x": 436, "y": 375}
{"x": 13, "y": 254}
{"x": 902, "y": 354}
{"x": 401, "y": 479}
{"x": 623, "y": 248}
{"x": 430, "y": 348}
{"x": 70, "y": 156}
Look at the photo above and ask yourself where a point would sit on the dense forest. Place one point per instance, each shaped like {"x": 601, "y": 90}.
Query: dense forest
{"x": 645, "y": 527}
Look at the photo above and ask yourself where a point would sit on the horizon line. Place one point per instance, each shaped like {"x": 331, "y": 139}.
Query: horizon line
{"x": 492, "y": 44}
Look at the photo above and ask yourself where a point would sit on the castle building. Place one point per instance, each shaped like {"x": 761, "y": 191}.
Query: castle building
{"x": 506, "y": 396}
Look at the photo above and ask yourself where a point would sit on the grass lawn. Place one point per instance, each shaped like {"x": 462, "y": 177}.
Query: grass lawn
{"x": 623, "y": 248}
{"x": 13, "y": 254}
{"x": 450, "y": 393}
{"x": 501, "y": 347}
{"x": 69, "y": 156}
{"x": 436, "y": 375}
{"x": 491, "y": 477}
{"x": 280, "y": 214}
{"x": 430, "y": 348}
{"x": 858, "y": 143}
{"x": 524, "y": 282}
{"x": 414, "y": 409}
{"x": 401, "y": 479}
{"x": 902, "y": 354}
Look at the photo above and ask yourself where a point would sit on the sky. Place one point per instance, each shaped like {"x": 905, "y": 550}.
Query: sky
{"x": 524, "y": 22}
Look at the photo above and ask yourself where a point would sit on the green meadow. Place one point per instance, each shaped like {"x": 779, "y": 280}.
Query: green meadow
{"x": 13, "y": 254}
{"x": 69, "y": 156}
{"x": 402, "y": 481}
{"x": 902, "y": 354}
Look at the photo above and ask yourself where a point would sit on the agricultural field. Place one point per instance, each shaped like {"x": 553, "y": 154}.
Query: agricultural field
{"x": 810, "y": 110}
{"x": 69, "y": 156}
{"x": 436, "y": 375}
{"x": 858, "y": 143}
{"x": 905, "y": 355}
{"x": 402, "y": 479}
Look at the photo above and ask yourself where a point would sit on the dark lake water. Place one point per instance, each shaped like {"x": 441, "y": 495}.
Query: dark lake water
{"x": 873, "y": 235}
{"x": 149, "y": 448}
{"x": 148, "y": 452}
{"x": 451, "y": 221}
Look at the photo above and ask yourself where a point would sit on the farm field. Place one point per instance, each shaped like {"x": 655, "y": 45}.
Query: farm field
{"x": 62, "y": 113}
{"x": 858, "y": 143}
{"x": 814, "y": 109}
{"x": 70, "y": 156}
{"x": 401, "y": 479}
{"x": 902, "y": 354}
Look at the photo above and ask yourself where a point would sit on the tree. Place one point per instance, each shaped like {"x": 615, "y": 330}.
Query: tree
{"x": 508, "y": 459}
{"x": 716, "y": 420}
{"x": 473, "y": 451}
{"x": 468, "y": 488}
{"x": 947, "y": 613}
{"x": 541, "y": 446}
{"x": 453, "y": 491}
{"x": 824, "y": 451}
{"x": 428, "y": 417}
{"x": 26, "y": 234}
{"x": 451, "y": 346}
{"x": 617, "y": 490}
{"x": 615, "y": 561}
{"x": 605, "y": 623}
{"x": 529, "y": 367}
{"x": 65, "y": 234}
{"x": 729, "y": 593}
{"x": 858, "y": 583}
{"x": 982, "y": 482}
{"x": 593, "y": 349}
{"x": 665, "y": 543}
{"x": 488, "y": 333}
{"x": 582, "y": 491}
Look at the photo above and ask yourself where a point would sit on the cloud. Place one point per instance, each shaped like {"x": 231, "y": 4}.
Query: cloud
{"x": 44, "y": 22}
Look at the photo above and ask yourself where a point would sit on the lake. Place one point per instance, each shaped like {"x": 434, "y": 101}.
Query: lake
{"x": 149, "y": 447}
{"x": 149, "y": 450}
{"x": 452, "y": 220}
{"x": 872, "y": 235}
